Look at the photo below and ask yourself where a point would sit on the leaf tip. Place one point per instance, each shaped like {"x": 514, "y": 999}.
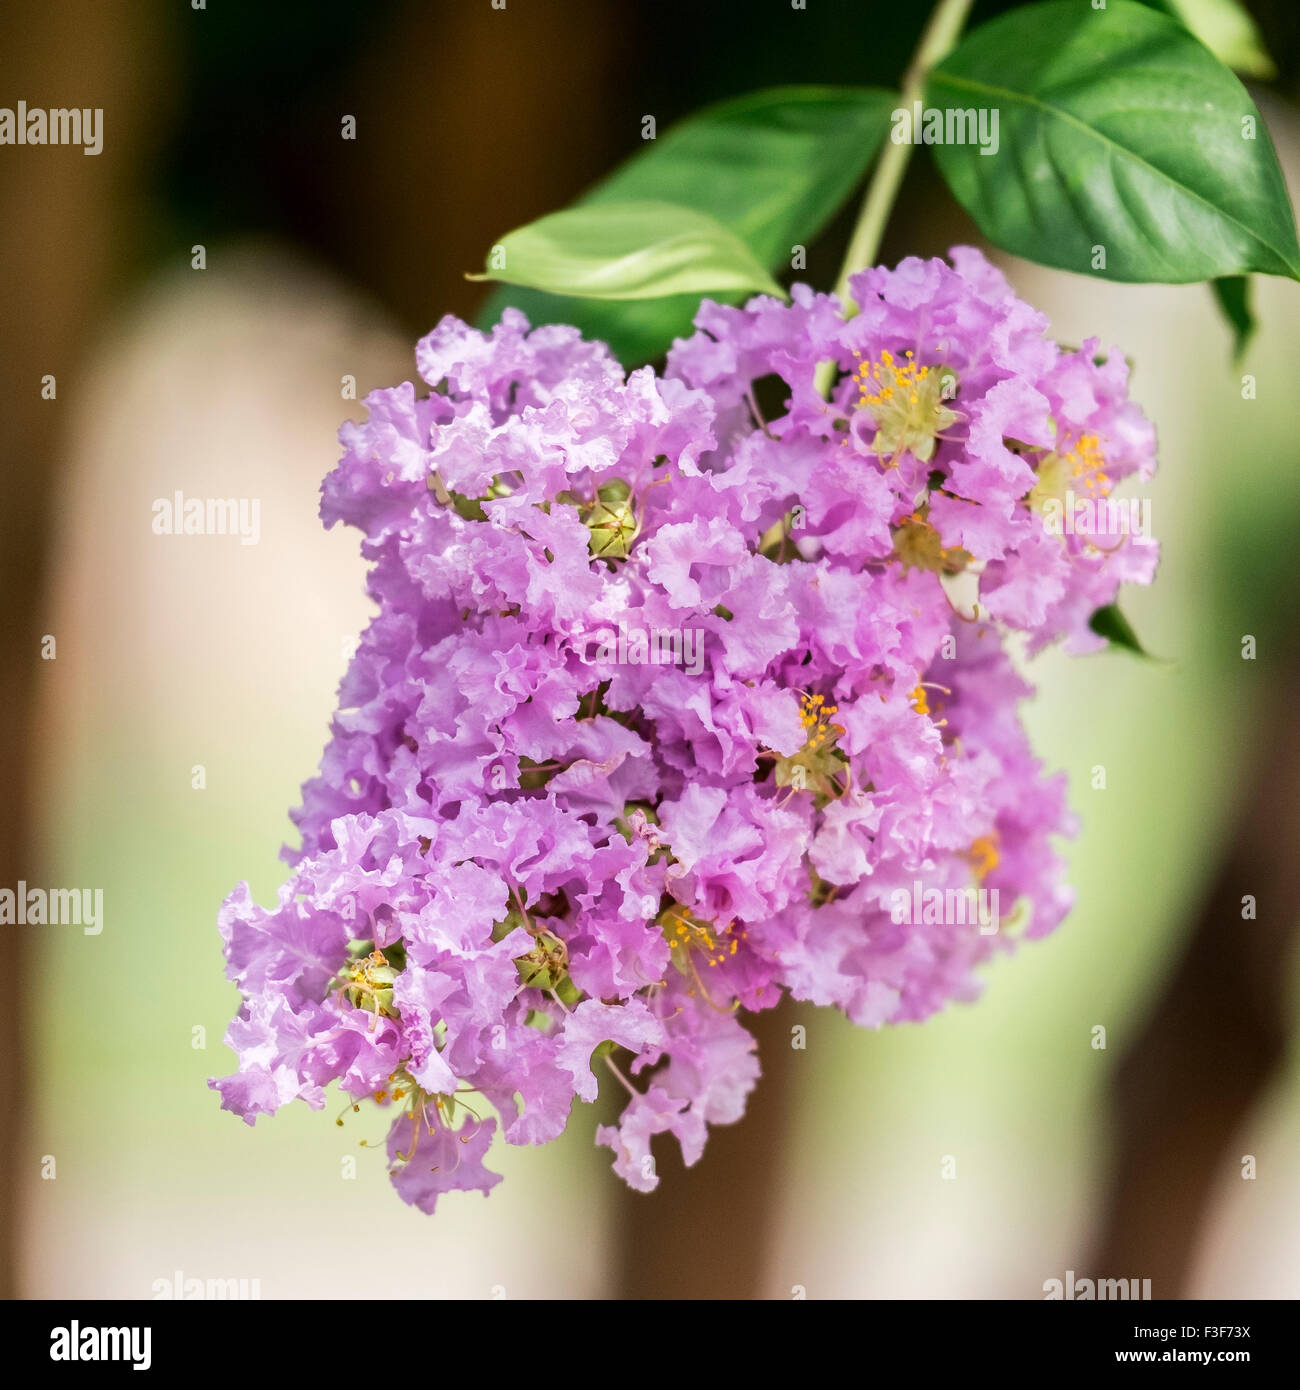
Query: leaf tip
{"x": 1109, "y": 622}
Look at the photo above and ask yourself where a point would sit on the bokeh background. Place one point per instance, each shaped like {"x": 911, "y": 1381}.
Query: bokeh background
{"x": 327, "y": 258}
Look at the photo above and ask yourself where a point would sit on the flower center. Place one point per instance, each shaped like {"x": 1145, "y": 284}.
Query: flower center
{"x": 367, "y": 982}
{"x": 819, "y": 762}
{"x": 611, "y": 519}
{"x": 816, "y": 718}
{"x": 1081, "y": 464}
{"x": 984, "y": 855}
{"x": 685, "y": 934}
{"x": 917, "y": 546}
{"x": 546, "y": 965}
{"x": 907, "y": 403}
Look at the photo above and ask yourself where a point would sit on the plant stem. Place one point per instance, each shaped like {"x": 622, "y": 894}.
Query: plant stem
{"x": 941, "y": 32}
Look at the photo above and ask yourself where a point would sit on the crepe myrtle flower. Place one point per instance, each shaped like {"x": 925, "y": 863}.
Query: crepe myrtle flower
{"x": 525, "y": 862}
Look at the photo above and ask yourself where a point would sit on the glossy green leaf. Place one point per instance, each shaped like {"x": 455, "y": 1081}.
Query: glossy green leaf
{"x": 1111, "y": 624}
{"x": 1227, "y": 29}
{"x": 642, "y": 250}
{"x": 772, "y": 166}
{"x": 1122, "y": 148}
{"x": 1232, "y": 295}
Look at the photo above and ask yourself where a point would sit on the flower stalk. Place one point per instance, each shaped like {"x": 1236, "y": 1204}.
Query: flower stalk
{"x": 941, "y": 32}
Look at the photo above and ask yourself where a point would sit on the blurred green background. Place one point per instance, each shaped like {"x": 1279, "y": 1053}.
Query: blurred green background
{"x": 325, "y": 260}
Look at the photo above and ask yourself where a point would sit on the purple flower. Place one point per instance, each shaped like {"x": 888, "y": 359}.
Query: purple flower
{"x": 668, "y": 709}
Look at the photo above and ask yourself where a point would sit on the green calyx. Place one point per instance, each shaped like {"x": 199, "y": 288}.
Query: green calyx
{"x": 918, "y": 545}
{"x": 468, "y": 508}
{"x": 367, "y": 980}
{"x": 546, "y": 965}
{"x": 611, "y": 519}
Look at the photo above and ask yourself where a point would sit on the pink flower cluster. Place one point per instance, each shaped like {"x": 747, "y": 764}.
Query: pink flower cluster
{"x": 670, "y": 708}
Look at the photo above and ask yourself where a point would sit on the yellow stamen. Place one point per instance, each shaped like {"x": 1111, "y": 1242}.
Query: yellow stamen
{"x": 984, "y": 855}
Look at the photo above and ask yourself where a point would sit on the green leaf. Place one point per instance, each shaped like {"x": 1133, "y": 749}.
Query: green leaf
{"x": 1233, "y": 297}
{"x": 1227, "y": 29}
{"x": 1111, "y": 624}
{"x": 627, "y": 251}
{"x": 772, "y": 166}
{"x": 1119, "y": 131}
